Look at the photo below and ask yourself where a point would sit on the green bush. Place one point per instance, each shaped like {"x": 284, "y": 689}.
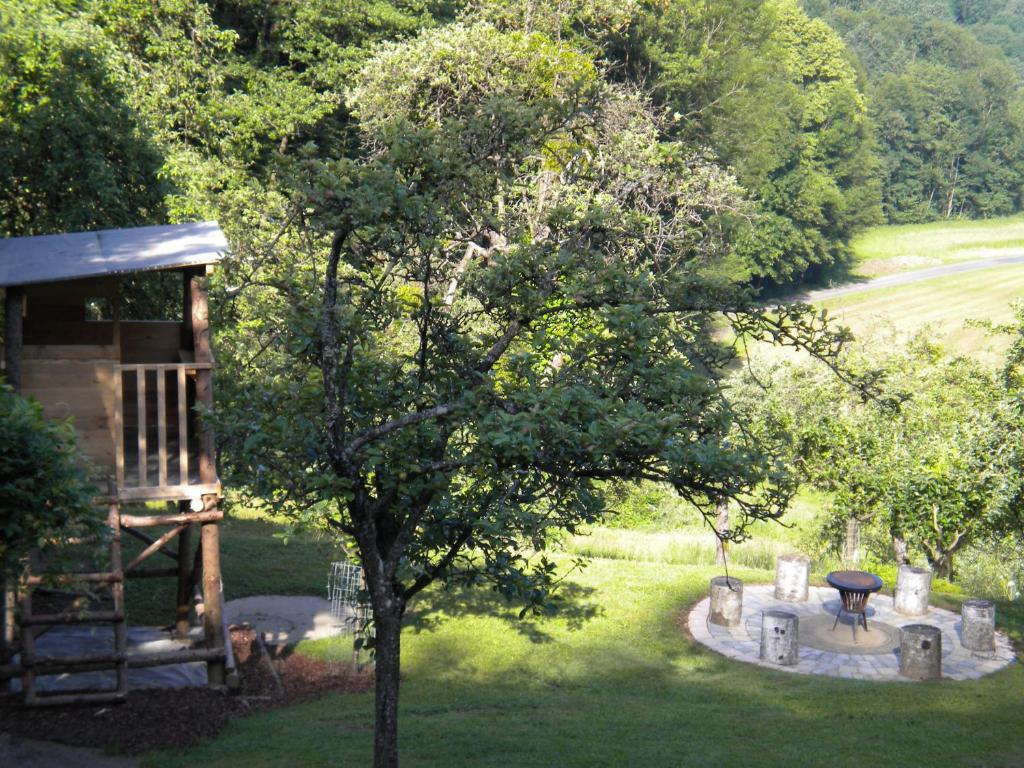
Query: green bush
{"x": 993, "y": 569}
{"x": 45, "y": 496}
{"x": 647, "y": 506}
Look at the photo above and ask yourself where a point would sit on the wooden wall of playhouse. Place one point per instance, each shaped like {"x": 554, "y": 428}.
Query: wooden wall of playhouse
{"x": 68, "y": 360}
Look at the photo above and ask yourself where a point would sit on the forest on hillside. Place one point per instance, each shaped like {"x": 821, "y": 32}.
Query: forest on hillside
{"x": 832, "y": 116}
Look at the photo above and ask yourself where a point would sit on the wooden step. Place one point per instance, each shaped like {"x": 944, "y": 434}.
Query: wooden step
{"x": 85, "y": 617}
{"x": 65, "y": 699}
{"x": 43, "y": 665}
{"x": 106, "y": 577}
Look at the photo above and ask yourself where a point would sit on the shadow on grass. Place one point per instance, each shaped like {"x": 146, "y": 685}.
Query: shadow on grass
{"x": 660, "y": 700}
{"x": 573, "y": 604}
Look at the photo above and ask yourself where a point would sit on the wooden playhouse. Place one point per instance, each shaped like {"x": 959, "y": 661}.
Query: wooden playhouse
{"x": 132, "y": 386}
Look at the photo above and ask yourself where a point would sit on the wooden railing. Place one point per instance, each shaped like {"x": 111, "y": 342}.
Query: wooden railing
{"x": 143, "y": 412}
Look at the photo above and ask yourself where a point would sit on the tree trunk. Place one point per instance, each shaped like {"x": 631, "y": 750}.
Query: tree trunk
{"x": 899, "y": 550}
{"x": 943, "y": 565}
{"x": 851, "y": 546}
{"x": 952, "y": 188}
{"x": 388, "y": 655}
{"x": 721, "y": 525}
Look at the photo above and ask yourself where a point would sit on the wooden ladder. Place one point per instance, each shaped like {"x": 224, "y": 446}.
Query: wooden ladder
{"x": 33, "y": 666}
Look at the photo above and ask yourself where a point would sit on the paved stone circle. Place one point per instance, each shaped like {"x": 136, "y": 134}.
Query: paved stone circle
{"x": 742, "y": 642}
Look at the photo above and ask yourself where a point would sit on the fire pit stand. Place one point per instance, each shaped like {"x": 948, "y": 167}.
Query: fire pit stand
{"x": 855, "y": 589}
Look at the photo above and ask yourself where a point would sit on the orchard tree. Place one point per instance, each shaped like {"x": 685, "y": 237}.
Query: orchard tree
{"x": 933, "y": 462}
{"x": 769, "y": 90}
{"x": 442, "y": 347}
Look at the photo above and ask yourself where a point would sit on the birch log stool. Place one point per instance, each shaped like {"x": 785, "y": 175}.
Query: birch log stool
{"x": 726, "y": 601}
{"x": 978, "y": 632}
{"x": 791, "y": 578}
{"x": 921, "y": 652}
{"x": 780, "y": 643}
{"x": 913, "y": 586}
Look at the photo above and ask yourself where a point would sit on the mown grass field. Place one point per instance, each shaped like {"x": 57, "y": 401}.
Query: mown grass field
{"x": 612, "y": 680}
{"x": 945, "y": 305}
{"x": 889, "y": 250}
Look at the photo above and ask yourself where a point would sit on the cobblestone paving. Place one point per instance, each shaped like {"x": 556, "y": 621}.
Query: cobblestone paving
{"x": 742, "y": 642}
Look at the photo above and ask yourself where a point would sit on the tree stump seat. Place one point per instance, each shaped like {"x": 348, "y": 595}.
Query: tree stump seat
{"x": 726, "y": 601}
{"x": 780, "y": 638}
{"x": 921, "y": 652}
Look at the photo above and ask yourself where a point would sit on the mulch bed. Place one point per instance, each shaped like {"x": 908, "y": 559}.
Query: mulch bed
{"x": 178, "y": 717}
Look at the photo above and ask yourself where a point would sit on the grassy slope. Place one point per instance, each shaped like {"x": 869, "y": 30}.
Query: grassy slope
{"x": 682, "y": 538}
{"x": 888, "y": 250}
{"x": 614, "y": 682}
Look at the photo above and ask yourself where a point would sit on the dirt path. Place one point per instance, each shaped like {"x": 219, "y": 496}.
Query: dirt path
{"x": 1011, "y": 258}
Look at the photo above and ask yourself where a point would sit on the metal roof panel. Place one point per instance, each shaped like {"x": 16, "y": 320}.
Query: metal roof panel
{"x": 51, "y": 258}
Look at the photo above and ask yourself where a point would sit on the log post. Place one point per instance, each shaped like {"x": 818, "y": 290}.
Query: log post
{"x": 780, "y": 643}
{"x": 726, "y": 601}
{"x": 921, "y": 652}
{"x": 183, "y": 605}
{"x": 14, "y": 311}
{"x": 913, "y": 586}
{"x": 8, "y": 603}
{"x": 212, "y": 612}
{"x": 117, "y": 592}
{"x": 209, "y": 532}
{"x": 979, "y": 625}
{"x": 200, "y": 316}
{"x": 791, "y": 572}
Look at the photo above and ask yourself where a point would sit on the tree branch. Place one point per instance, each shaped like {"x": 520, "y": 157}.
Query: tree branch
{"x": 425, "y": 579}
{"x": 437, "y": 412}
{"x": 329, "y": 346}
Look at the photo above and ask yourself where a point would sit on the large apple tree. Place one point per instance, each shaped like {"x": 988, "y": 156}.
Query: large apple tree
{"x": 513, "y": 290}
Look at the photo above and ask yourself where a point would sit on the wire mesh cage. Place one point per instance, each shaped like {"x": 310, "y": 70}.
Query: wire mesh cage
{"x": 345, "y": 590}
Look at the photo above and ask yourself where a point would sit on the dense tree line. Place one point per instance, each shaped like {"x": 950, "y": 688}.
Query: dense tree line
{"x": 944, "y": 87}
{"x": 220, "y": 93}
{"x": 120, "y": 112}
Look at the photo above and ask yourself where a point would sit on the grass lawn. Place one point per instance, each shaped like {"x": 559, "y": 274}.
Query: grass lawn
{"x": 945, "y": 304}
{"x": 612, "y": 681}
{"x": 891, "y": 249}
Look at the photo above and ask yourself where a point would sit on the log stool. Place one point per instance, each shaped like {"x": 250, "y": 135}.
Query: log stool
{"x": 978, "y": 631}
{"x": 780, "y": 637}
{"x": 921, "y": 652}
{"x": 791, "y": 578}
{"x": 913, "y": 586}
{"x": 726, "y": 601}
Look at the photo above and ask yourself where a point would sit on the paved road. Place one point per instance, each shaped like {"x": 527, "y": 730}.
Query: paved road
{"x": 1009, "y": 259}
